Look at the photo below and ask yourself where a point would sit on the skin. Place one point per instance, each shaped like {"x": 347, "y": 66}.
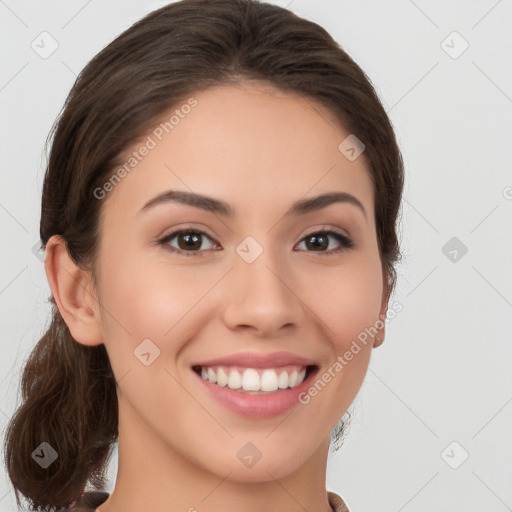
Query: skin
{"x": 259, "y": 149}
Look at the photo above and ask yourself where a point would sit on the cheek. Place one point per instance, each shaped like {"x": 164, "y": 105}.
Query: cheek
{"x": 150, "y": 299}
{"x": 347, "y": 299}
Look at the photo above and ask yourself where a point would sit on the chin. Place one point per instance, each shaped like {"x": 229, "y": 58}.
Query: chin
{"x": 276, "y": 465}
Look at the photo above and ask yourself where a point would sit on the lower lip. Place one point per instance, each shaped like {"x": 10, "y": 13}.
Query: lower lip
{"x": 257, "y": 406}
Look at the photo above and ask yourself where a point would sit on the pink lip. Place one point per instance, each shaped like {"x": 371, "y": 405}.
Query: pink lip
{"x": 258, "y": 360}
{"x": 257, "y": 406}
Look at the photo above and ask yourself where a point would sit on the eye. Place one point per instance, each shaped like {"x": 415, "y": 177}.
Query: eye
{"x": 189, "y": 241}
{"x": 319, "y": 240}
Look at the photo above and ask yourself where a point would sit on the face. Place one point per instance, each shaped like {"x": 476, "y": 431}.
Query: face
{"x": 265, "y": 279}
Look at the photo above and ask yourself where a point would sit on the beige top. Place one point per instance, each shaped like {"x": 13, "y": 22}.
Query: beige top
{"x": 92, "y": 499}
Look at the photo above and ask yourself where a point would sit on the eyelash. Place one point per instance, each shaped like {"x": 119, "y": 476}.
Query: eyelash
{"x": 346, "y": 243}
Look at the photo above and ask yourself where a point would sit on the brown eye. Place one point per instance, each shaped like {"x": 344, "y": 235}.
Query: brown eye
{"x": 189, "y": 242}
{"x": 319, "y": 241}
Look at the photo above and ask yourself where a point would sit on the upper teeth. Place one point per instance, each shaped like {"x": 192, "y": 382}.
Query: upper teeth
{"x": 251, "y": 379}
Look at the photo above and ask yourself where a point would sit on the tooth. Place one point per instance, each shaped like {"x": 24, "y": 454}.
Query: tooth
{"x": 222, "y": 378}
{"x": 250, "y": 380}
{"x": 235, "y": 379}
{"x": 269, "y": 380}
{"x": 211, "y": 375}
{"x": 283, "y": 380}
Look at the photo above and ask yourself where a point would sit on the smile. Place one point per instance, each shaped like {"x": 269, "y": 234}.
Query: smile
{"x": 254, "y": 380}
{"x": 255, "y": 392}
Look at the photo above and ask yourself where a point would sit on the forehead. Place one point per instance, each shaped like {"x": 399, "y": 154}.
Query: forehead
{"x": 250, "y": 144}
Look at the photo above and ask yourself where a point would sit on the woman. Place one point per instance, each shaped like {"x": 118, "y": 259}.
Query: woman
{"x": 219, "y": 220}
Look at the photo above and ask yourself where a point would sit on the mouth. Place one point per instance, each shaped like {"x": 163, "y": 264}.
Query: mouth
{"x": 254, "y": 384}
{"x": 256, "y": 381}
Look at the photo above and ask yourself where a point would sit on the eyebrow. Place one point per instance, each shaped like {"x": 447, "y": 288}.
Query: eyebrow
{"x": 219, "y": 207}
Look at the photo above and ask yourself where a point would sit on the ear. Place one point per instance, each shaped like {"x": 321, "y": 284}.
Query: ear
{"x": 73, "y": 291}
{"x": 379, "y": 337}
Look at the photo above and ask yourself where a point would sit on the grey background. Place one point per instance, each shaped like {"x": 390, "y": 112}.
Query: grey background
{"x": 443, "y": 373}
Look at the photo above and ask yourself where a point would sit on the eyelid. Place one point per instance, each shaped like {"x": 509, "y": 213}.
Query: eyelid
{"x": 324, "y": 228}
{"x": 186, "y": 227}
{"x": 203, "y": 230}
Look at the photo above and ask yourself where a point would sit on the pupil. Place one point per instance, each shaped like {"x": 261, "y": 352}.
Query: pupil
{"x": 319, "y": 241}
{"x": 191, "y": 238}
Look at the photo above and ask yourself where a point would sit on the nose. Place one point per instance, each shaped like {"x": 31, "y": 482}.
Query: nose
{"x": 262, "y": 297}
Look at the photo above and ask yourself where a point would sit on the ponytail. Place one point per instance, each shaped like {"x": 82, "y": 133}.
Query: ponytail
{"x": 61, "y": 435}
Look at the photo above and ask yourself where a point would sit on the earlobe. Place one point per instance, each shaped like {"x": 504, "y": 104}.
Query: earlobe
{"x": 381, "y": 325}
{"x": 379, "y": 337}
{"x": 73, "y": 292}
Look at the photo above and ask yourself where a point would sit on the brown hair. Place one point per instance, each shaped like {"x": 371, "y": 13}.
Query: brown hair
{"x": 69, "y": 395}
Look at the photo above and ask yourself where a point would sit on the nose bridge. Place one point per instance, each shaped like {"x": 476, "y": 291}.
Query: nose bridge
{"x": 262, "y": 296}
{"x": 258, "y": 266}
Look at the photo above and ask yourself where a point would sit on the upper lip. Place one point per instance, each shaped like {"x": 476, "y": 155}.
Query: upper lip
{"x": 258, "y": 360}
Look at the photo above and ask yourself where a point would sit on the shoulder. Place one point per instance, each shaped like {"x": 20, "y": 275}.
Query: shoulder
{"x": 88, "y": 502}
{"x": 337, "y": 504}
{"x": 92, "y": 499}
